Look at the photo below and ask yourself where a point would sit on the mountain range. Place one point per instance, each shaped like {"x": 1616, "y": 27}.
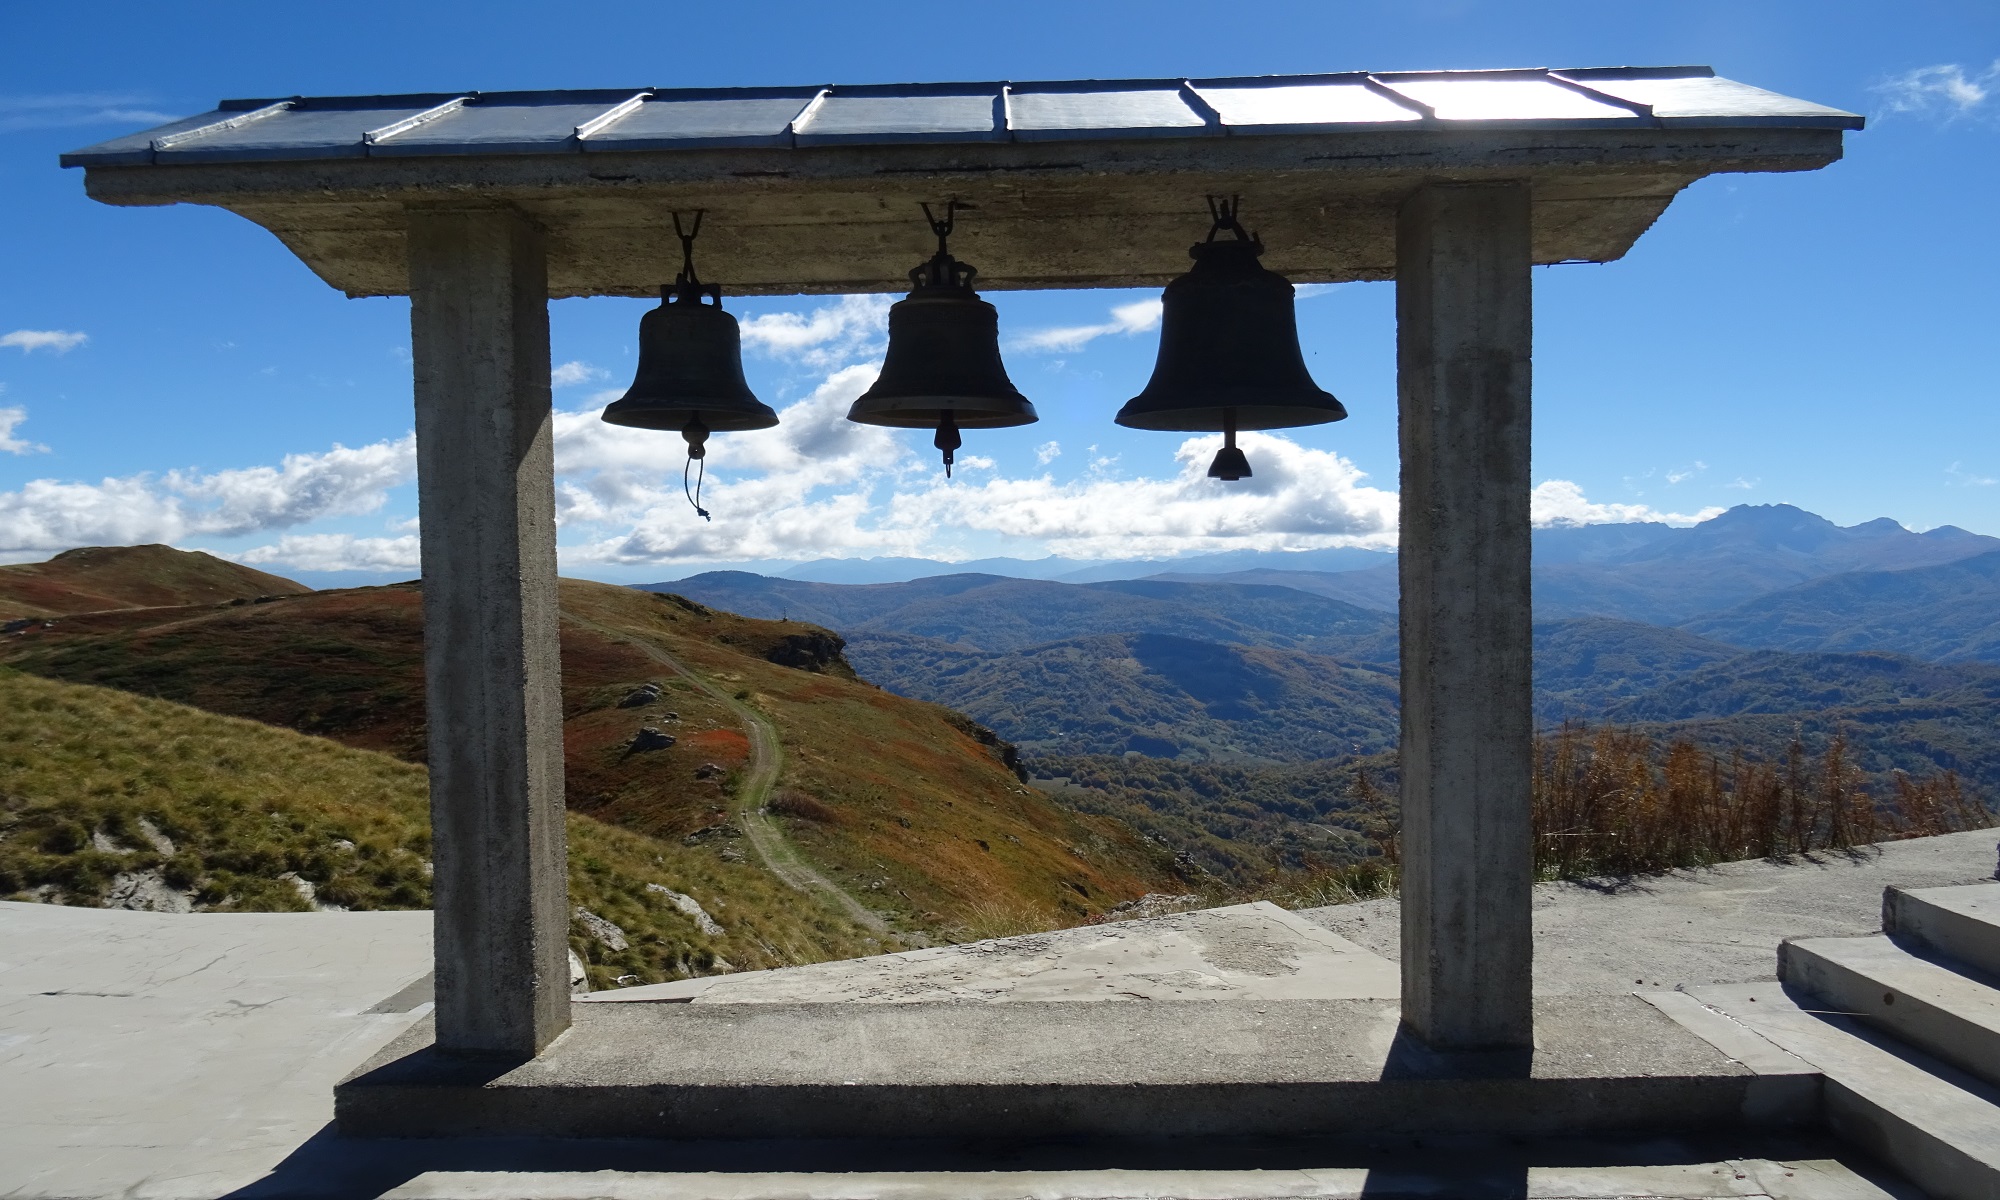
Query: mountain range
{"x": 1762, "y": 614}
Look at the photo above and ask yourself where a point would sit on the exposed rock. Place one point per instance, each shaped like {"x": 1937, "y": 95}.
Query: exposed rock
{"x": 612, "y": 937}
{"x": 164, "y": 845}
{"x": 579, "y": 979}
{"x": 818, "y": 651}
{"x": 649, "y": 738}
{"x": 146, "y": 891}
{"x": 310, "y": 893}
{"x": 689, "y": 905}
{"x": 709, "y": 771}
{"x": 1152, "y": 904}
{"x": 731, "y": 854}
{"x": 103, "y": 843}
{"x": 641, "y": 696}
{"x": 1000, "y": 748}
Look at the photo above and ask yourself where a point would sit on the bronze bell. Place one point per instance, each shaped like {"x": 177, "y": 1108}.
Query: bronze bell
{"x": 690, "y": 377}
{"x": 1229, "y": 350}
{"x": 943, "y": 367}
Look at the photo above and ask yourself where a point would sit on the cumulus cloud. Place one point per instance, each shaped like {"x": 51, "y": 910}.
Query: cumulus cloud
{"x": 28, "y": 341}
{"x": 1048, "y": 452}
{"x": 10, "y": 419}
{"x": 572, "y": 373}
{"x": 1136, "y": 317}
{"x": 1560, "y": 502}
{"x": 47, "y": 514}
{"x": 337, "y": 552}
{"x": 1947, "y": 90}
{"x": 831, "y": 335}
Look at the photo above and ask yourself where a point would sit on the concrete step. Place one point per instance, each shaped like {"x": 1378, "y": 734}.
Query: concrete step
{"x": 1936, "y": 1126}
{"x": 1745, "y": 1178}
{"x": 1952, "y": 1016}
{"x": 1957, "y": 922}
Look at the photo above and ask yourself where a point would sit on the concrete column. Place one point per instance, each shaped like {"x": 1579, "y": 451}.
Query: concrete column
{"x": 479, "y": 331}
{"x": 1464, "y": 335}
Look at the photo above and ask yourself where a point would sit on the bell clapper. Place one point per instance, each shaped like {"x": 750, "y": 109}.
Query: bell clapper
{"x": 696, "y": 434}
{"x": 947, "y": 439}
{"x": 1230, "y": 463}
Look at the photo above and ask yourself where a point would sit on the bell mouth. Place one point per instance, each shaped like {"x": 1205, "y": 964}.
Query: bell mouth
{"x": 936, "y": 408}
{"x": 637, "y": 414}
{"x": 1248, "y": 416}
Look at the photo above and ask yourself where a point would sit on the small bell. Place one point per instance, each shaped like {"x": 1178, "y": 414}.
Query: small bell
{"x": 943, "y": 366}
{"x": 690, "y": 376}
{"x": 1229, "y": 350}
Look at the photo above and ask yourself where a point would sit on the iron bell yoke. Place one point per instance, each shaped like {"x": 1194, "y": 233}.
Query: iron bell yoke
{"x": 943, "y": 370}
{"x": 690, "y": 376}
{"x": 1229, "y": 349}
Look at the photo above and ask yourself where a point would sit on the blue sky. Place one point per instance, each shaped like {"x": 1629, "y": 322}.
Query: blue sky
{"x": 1825, "y": 339}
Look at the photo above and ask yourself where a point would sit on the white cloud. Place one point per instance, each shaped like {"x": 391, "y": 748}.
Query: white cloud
{"x": 1136, "y": 317}
{"x": 1957, "y": 476}
{"x": 1946, "y": 89}
{"x": 47, "y": 514}
{"x": 10, "y": 419}
{"x": 1560, "y": 502}
{"x": 30, "y": 340}
{"x": 571, "y": 373}
{"x": 1687, "y": 473}
{"x": 1048, "y": 452}
{"x": 831, "y": 335}
{"x": 75, "y": 108}
{"x": 337, "y": 552}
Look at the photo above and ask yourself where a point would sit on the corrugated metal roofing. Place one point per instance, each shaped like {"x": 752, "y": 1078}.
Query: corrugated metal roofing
{"x": 563, "y": 122}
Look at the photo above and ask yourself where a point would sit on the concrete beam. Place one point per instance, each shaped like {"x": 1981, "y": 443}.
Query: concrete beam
{"x": 479, "y": 331}
{"x": 836, "y": 219}
{"x": 1464, "y": 338}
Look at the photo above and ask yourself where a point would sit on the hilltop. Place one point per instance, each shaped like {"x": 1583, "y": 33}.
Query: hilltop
{"x": 94, "y": 578}
{"x": 892, "y": 813}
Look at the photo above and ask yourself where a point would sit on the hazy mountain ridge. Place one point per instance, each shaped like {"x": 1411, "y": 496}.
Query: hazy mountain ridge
{"x": 1949, "y": 612}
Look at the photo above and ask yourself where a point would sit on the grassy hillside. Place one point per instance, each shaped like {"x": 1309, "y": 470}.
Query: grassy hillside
{"x": 106, "y": 796}
{"x": 100, "y": 577}
{"x": 908, "y": 807}
{"x": 1151, "y": 694}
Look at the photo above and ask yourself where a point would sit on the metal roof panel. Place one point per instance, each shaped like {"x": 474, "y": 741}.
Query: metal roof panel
{"x": 1696, "y": 99}
{"x": 330, "y": 128}
{"x": 634, "y": 120}
{"x": 1249, "y": 105}
{"x": 902, "y": 114}
{"x": 1513, "y": 98}
{"x": 521, "y": 123}
{"x": 1045, "y": 112}
{"x": 693, "y": 119}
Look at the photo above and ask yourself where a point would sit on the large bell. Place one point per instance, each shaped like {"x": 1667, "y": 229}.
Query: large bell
{"x": 943, "y": 368}
{"x": 1229, "y": 350}
{"x": 690, "y": 377}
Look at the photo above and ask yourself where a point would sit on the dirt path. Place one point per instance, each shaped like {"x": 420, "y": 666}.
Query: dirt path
{"x": 760, "y": 775}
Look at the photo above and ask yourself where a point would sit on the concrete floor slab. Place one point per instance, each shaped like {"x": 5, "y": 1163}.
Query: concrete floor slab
{"x": 153, "y": 1054}
{"x": 1242, "y": 952}
{"x": 1691, "y": 928}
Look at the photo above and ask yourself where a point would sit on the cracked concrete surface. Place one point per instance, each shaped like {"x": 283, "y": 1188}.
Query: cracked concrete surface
{"x": 1720, "y": 925}
{"x": 166, "y": 1055}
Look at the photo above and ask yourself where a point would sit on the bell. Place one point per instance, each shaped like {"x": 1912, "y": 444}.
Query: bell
{"x": 1229, "y": 350}
{"x": 690, "y": 377}
{"x": 943, "y": 368}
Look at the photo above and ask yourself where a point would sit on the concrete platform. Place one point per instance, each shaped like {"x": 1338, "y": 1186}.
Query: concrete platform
{"x": 1280, "y": 1068}
{"x": 1241, "y": 952}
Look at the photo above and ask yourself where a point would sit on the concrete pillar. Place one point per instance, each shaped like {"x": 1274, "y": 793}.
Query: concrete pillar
{"x": 479, "y": 332}
{"x": 1464, "y": 336}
